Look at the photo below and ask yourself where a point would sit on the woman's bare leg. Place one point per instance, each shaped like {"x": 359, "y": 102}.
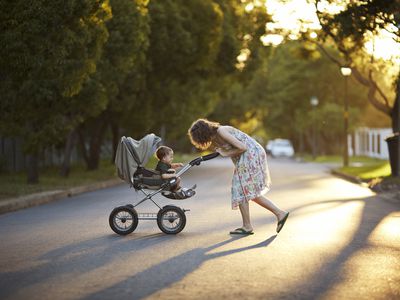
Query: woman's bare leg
{"x": 268, "y": 204}
{"x": 245, "y": 212}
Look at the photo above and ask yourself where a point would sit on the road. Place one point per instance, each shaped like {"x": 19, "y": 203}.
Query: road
{"x": 340, "y": 242}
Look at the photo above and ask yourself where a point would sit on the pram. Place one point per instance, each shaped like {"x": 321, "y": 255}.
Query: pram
{"x": 131, "y": 157}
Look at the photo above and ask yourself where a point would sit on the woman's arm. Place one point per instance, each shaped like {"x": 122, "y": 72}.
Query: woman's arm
{"x": 239, "y": 147}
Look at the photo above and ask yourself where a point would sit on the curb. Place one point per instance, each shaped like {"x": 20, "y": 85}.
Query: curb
{"x": 14, "y": 204}
{"x": 351, "y": 178}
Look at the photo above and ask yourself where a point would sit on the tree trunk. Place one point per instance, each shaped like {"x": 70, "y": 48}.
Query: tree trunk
{"x": 94, "y": 153}
{"x": 395, "y": 113}
{"x": 115, "y": 139}
{"x": 309, "y": 139}
{"x": 394, "y": 142}
{"x": 69, "y": 146}
{"x": 32, "y": 168}
{"x": 82, "y": 144}
{"x": 95, "y": 145}
{"x": 96, "y": 131}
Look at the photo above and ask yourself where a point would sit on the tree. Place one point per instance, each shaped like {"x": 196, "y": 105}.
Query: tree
{"x": 240, "y": 99}
{"x": 350, "y": 29}
{"x": 118, "y": 75}
{"x": 185, "y": 42}
{"x": 49, "y": 50}
{"x": 290, "y": 76}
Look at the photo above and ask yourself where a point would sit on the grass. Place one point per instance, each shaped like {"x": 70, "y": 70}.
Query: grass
{"x": 322, "y": 158}
{"x": 14, "y": 184}
{"x": 366, "y": 168}
{"x": 368, "y": 171}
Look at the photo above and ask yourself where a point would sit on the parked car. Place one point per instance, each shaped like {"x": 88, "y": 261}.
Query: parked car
{"x": 268, "y": 147}
{"x": 280, "y": 147}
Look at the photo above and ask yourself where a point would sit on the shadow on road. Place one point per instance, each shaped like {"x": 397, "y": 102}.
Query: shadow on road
{"x": 331, "y": 273}
{"x": 170, "y": 271}
{"x": 81, "y": 257}
{"x": 85, "y": 256}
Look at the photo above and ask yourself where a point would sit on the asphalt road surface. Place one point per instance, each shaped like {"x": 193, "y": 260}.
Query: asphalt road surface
{"x": 340, "y": 242}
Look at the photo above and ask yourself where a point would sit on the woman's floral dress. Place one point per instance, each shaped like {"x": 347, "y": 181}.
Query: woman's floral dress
{"x": 251, "y": 177}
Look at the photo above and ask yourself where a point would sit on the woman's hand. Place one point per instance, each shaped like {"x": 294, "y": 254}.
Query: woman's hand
{"x": 222, "y": 152}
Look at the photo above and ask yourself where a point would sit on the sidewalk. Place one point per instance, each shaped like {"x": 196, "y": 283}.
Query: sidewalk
{"x": 391, "y": 196}
{"x": 12, "y": 204}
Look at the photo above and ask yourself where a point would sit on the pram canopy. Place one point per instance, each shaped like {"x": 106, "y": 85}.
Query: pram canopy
{"x": 133, "y": 154}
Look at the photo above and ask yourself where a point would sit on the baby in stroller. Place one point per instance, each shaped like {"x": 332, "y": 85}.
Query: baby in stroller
{"x": 167, "y": 171}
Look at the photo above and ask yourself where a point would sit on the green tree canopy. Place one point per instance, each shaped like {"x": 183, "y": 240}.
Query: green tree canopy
{"x": 49, "y": 50}
{"x": 118, "y": 77}
{"x": 185, "y": 42}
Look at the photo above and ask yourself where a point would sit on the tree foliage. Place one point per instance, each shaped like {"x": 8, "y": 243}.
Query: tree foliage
{"x": 117, "y": 77}
{"x": 49, "y": 51}
{"x": 79, "y": 68}
{"x": 185, "y": 40}
{"x": 350, "y": 29}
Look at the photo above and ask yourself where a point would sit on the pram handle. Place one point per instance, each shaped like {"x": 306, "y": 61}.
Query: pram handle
{"x": 210, "y": 156}
{"x": 198, "y": 160}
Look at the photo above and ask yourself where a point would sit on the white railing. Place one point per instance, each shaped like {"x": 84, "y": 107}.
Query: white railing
{"x": 370, "y": 142}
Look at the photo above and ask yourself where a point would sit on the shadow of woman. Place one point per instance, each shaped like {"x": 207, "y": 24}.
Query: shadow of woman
{"x": 164, "y": 274}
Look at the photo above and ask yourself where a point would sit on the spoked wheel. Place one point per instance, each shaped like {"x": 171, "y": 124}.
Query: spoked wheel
{"x": 171, "y": 219}
{"x": 123, "y": 220}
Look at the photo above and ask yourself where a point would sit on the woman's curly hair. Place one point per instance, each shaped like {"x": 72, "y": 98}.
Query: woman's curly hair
{"x": 202, "y": 132}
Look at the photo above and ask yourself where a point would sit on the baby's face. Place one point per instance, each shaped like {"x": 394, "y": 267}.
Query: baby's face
{"x": 169, "y": 157}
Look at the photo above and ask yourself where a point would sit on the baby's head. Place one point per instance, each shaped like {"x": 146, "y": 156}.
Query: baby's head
{"x": 165, "y": 154}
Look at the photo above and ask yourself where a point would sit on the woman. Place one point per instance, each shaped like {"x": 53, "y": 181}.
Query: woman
{"x": 251, "y": 178}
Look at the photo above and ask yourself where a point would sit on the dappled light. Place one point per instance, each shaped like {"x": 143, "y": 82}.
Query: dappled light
{"x": 387, "y": 233}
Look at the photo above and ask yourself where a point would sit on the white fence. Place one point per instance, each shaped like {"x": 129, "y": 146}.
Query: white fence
{"x": 370, "y": 142}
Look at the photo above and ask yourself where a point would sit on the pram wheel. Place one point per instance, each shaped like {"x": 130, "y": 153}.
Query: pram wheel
{"x": 123, "y": 220}
{"x": 171, "y": 219}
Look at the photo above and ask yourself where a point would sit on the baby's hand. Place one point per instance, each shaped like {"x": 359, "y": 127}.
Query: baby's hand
{"x": 177, "y": 165}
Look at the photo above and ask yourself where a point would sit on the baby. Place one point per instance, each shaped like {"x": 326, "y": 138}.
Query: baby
{"x": 167, "y": 170}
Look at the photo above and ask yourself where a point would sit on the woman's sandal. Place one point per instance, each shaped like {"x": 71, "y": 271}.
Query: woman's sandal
{"x": 282, "y": 222}
{"x": 241, "y": 231}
